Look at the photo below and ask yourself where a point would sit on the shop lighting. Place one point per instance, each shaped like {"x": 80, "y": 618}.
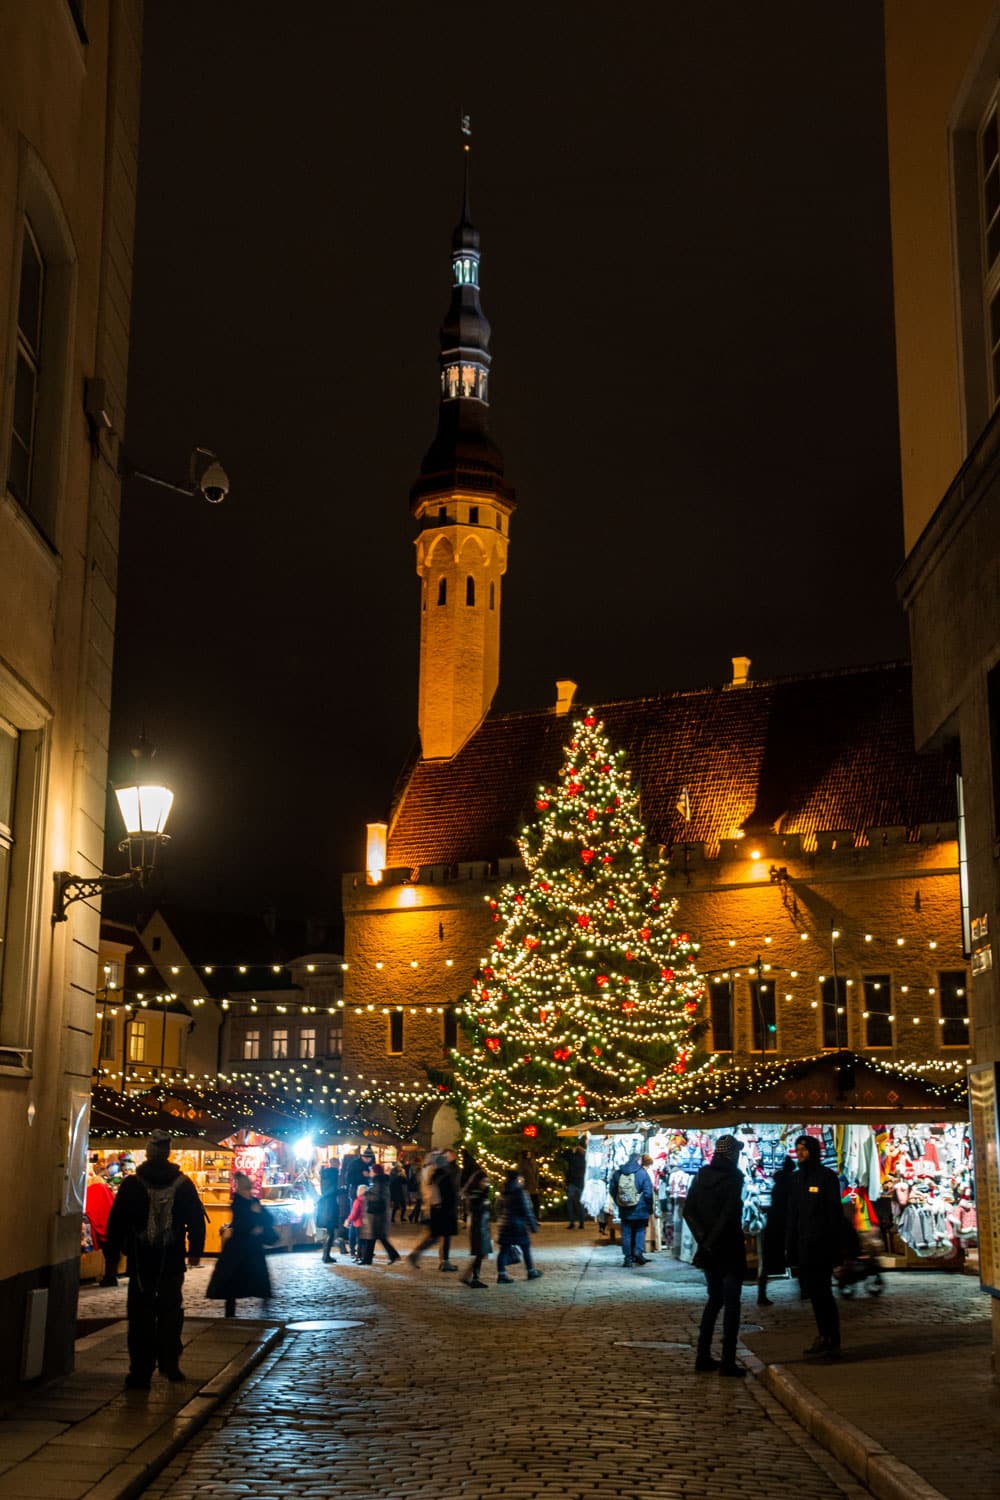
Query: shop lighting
{"x": 145, "y": 807}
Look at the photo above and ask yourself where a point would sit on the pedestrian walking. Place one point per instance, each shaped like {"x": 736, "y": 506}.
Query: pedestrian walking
{"x": 575, "y": 1165}
{"x": 413, "y": 1198}
{"x": 352, "y": 1174}
{"x": 375, "y": 1220}
{"x": 353, "y": 1222}
{"x": 527, "y": 1166}
{"x": 329, "y": 1217}
{"x": 816, "y": 1240}
{"x": 516, "y": 1224}
{"x": 155, "y": 1219}
{"x": 241, "y": 1269}
{"x": 476, "y": 1197}
{"x": 397, "y": 1193}
{"x": 713, "y": 1212}
{"x": 775, "y": 1232}
{"x": 440, "y": 1195}
{"x": 631, "y": 1189}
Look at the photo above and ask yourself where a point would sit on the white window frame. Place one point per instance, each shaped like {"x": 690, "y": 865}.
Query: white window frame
{"x": 307, "y": 1039}
{"x": 24, "y": 924}
{"x": 137, "y": 1041}
{"x": 251, "y": 1045}
{"x": 279, "y": 1033}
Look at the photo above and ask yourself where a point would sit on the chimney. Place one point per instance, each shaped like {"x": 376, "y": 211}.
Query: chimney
{"x": 741, "y": 671}
{"x": 565, "y": 693}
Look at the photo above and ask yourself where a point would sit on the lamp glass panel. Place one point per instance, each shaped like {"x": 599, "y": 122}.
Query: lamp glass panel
{"x": 144, "y": 809}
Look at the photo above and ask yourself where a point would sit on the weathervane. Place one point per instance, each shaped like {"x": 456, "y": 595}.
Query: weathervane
{"x": 466, "y": 129}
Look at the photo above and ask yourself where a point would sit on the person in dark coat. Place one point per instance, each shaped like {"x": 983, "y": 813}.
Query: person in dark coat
{"x": 440, "y": 1181}
{"x": 527, "y": 1165}
{"x": 397, "y": 1193}
{"x": 328, "y": 1215}
{"x": 631, "y": 1188}
{"x": 241, "y": 1269}
{"x": 713, "y": 1211}
{"x": 352, "y": 1175}
{"x": 156, "y": 1217}
{"x": 476, "y": 1196}
{"x": 816, "y": 1240}
{"x": 375, "y": 1223}
{"x": 575, "y": 1163}
{"x": 775, "y": 1232}
{"x": 516, "y": 1224}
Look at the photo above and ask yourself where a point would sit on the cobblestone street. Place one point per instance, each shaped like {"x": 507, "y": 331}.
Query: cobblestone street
{"x": 577, "y": 1385}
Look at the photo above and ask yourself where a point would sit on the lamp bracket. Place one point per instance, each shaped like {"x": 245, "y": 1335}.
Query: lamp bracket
{"x": 70, "y": 888}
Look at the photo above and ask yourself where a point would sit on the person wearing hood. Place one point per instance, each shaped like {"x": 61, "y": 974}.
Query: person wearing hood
{"x": 713, "y": 1211}
{"x": 156, "y": 1216}
{"x": 516, "y": 1224}
{"x": 816, "y": 1240}
{"x": 772, "y": 1241}
{"x": 631, "y": 1188}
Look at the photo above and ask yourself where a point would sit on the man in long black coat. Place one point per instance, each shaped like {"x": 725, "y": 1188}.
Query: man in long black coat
{"x": 713, "y": 1211}
{"x": 817, "y": 1232}
{"x": 156, "y": 1219}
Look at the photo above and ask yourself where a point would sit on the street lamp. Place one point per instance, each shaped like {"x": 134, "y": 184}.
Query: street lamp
{"x": 145, "y": 805}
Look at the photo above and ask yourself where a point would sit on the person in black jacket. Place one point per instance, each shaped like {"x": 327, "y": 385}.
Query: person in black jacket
{"x": 241, "y": 1269}
{"x": 772, "y": 1240}
{"x": 517, "y": 1223}
{"x": 156, "y": 1211}
{"x": 476, "y": 1197}
{"x": 816, "y": 1235}
{"x": 575, "y": 1160}
{"x": 713, "y": 1211}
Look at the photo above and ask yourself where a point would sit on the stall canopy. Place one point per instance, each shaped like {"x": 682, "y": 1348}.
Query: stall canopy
{"x": 121, "y": 1118}
{"x": 839, "y": 1088}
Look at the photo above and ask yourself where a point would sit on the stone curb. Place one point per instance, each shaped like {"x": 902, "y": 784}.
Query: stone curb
{"x": 128, "y": 1479}
{"x": 886, "y": 1476}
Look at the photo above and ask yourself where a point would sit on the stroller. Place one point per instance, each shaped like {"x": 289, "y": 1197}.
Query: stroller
{"x": 862, "y": 1271}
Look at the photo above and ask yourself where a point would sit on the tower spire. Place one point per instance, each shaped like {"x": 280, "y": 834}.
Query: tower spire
{"x": 462, "y": 506}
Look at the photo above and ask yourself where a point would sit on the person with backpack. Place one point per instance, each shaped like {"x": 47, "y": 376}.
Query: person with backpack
{"x": 156, "y": 1219}
{"x": 632, "y": 1190}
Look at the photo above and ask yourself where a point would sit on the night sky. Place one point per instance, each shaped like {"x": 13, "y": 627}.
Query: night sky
{"x": 686, "y": 265}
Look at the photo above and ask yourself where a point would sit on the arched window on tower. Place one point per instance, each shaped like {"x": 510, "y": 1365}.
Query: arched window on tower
{"x": 442, "y": 591}
{"x": 493, "y": 595}
{"x": 470, "y": 590}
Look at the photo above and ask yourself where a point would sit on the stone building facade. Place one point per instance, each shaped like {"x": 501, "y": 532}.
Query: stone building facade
{"x": 69, "y": 123}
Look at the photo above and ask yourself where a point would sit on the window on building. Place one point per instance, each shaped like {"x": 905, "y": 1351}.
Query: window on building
{"x": 493, "y": 596}
{"x": 279, "y": 1044}
{"x": 396, "y": 1031}
{"x": 878, "y": 1015}
{"x": 30, "y": 301}
{"x": 473, "y": 515}
{"x": 720, "y": 1010}
{"x": 9, "y": 746}
{"x": 335, "y": 1041}
{"x": 450, "y": 1028}
{"x": 764, "y": 1015}
{"x": 108, "y": 1037}
{"x": 307, "y": 1043}
{"x": 23, "y": 763}
{"x": 989, "y": 217}
{"x": 833, "y": 1005}
{"x": 442, "y": 591}
{"x": 113, "y": 974}
{"x": 137, "y": 1041}
{"x": 953, "y": 1008}
{"x": 251, "y": 1046}
{"x": 470, "y": 591}
{"x": 993, "y": 705}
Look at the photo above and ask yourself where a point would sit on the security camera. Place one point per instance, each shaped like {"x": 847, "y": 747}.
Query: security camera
{"x": 214, "y": 484}
{"x": 208, "y": 476}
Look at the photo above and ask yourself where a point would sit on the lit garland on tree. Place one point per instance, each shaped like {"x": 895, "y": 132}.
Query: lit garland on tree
{"x": 587, "y": 1004}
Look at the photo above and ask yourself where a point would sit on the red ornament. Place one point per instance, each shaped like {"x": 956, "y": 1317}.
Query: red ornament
{"x": 605, "y": 769}
{"x": 628, "y": 956}
{"x": 543, "y": 1016}
{"x": 590, "y": 721}
{"x": 591, "y": 815}
{"x": 602, "y": 980}
{"x": 596, "y": 1051}
{"x": 498, "y": 942}
{"x": 582, "y": 919}
{"x": 518, "y": 900}
{"x": 572, "y": 789}
{"x": 561, "y": 1054}
{"x": 684, "y": 937}
{"x": 586, "y": 855}
{"x": 644, "y": 934}
{"x": 542, "y": 806}
{"x": 492, "y": 903}
{"x": 531, "y": 942}
{"x": 581, "y": 1101}
{"x": 618, "y": 802}
{"x": 691, "y": 1006}
{"x": 668, "y": 974}
{"x": 531, "y": 1130}
{"x": 543, "y": 885}
{"x": 611, "y": 903}
{"x": 628, "y": 1005}
{"x": 493, "y": 1043}
{"x": 484, "y": 994}
{"x": 606, "y": 860}
{"x": 442, "y": 1088}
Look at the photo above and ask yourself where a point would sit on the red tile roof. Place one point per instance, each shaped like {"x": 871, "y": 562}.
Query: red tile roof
{"x": 797, "y": 755}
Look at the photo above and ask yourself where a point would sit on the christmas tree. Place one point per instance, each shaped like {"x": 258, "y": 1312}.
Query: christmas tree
{"x": 586, "y": 1005}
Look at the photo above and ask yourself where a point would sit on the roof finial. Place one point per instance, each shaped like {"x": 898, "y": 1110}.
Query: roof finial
{"x": 466, "y": 122}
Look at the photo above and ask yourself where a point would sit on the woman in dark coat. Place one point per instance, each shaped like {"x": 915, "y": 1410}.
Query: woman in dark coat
{"x": 772, "y": 1240}
{"x": 241, "y": 1269}
{"x": 516, "y": 1224}
{"x": 476, "y": 1195}
{"x": 817, "y": 1239}
{"x": 397, "y": 1193}
{"x": 375, "y": 1224}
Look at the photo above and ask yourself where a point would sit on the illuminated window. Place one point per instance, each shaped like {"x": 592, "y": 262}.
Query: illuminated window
{"x": 251, "y": 1046}
{"x": 137, "y": 1041}
{"x": 720, "y": 1011}
{"x": 953, "y": 1008}
{"x": 878, "y": 1008}
{"x": 396, "y": 1031}
{"x": 470, "y": 591}
{"x": 279, "y": 1044}
{"x": 307, "y": 1043}
{"x": 833, "y": 1005}
{"x": 763, "y": 1015}
{"x": 442, "y": 591}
